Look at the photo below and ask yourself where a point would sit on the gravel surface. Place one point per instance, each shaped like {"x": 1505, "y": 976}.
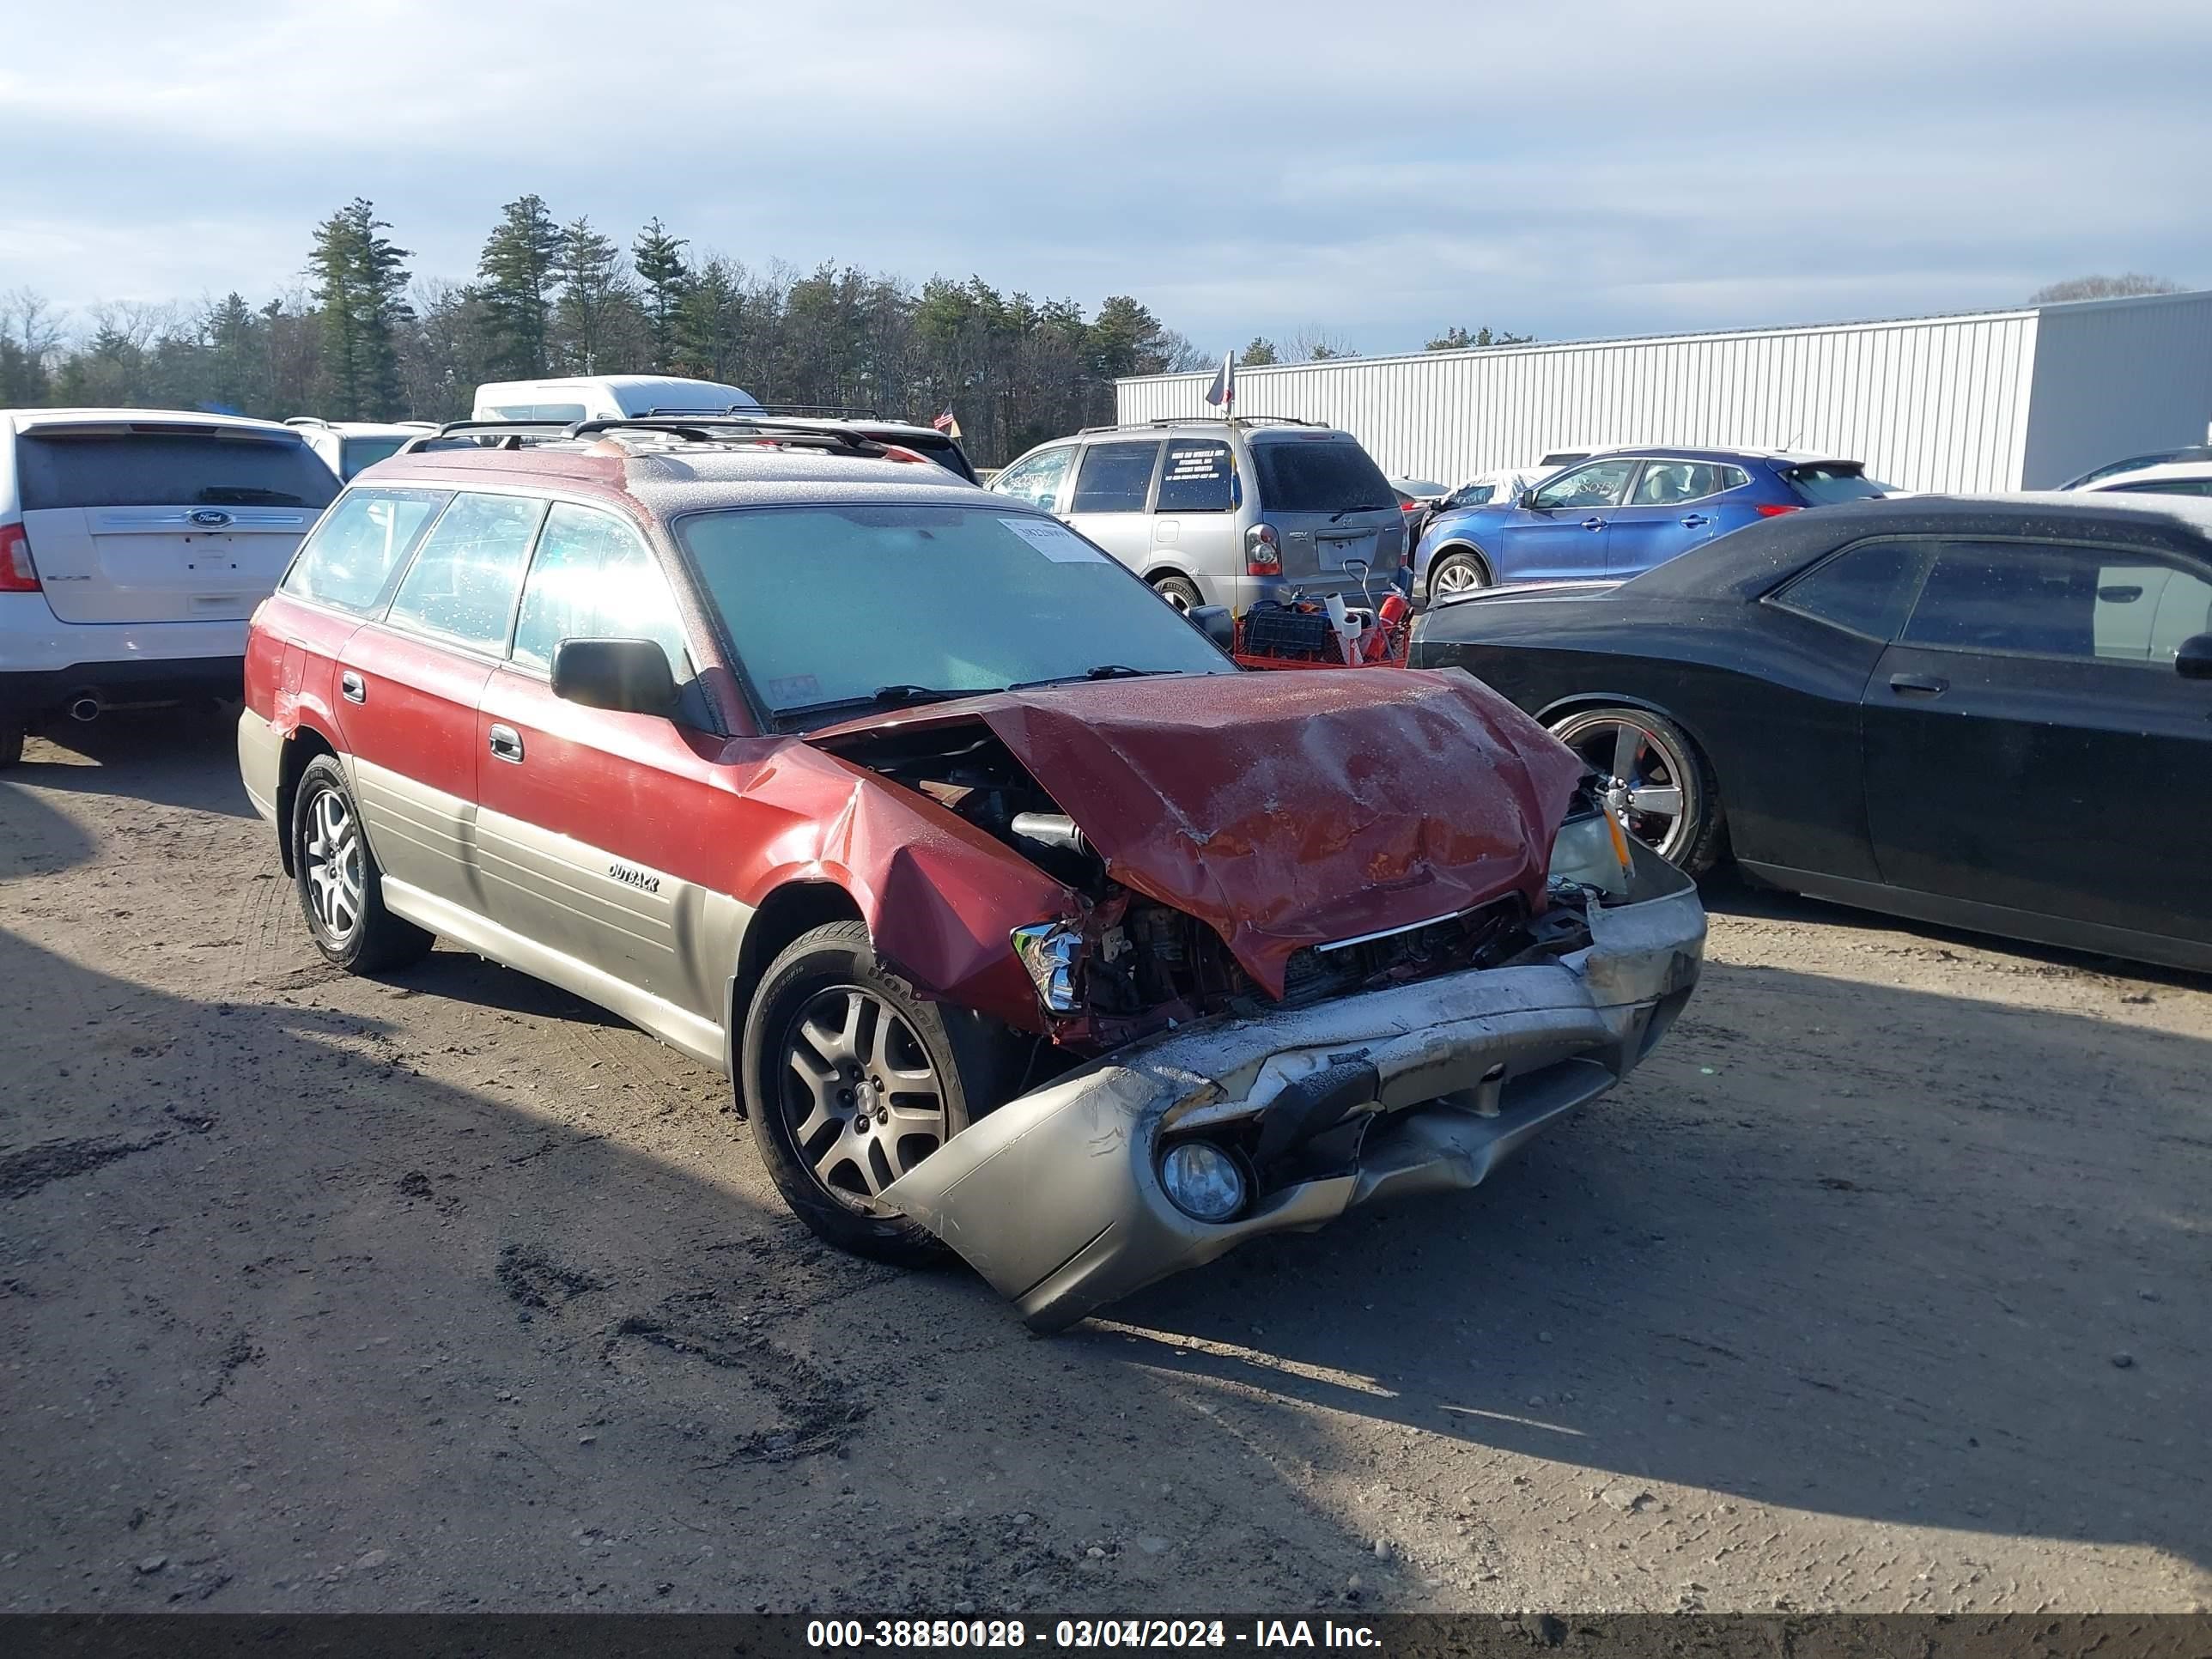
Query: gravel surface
{"x": 1882, "y": 1286}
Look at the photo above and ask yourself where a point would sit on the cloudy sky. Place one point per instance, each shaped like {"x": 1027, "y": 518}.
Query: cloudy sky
{"x": 1378, "y": 170}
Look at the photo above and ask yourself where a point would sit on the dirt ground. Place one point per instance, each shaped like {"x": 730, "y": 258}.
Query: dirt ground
{"x": 1882, "y": 1286}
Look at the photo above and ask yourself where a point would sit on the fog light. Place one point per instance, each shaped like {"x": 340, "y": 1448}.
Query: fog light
{"x": 1204, "y": 1181}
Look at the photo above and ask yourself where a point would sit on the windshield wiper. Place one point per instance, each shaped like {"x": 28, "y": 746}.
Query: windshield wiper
{"x": 1104, "y": 671}
{"x": 243, "y": 496}
{"x": 884, "y": 696}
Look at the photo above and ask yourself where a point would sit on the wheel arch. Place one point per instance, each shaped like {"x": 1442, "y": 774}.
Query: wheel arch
{"x": 1473, "y": 550}
{"x": 306, "y": 744}
{"x": 789, "y": 911}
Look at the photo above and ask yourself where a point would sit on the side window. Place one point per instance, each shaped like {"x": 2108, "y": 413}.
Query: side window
{"x": 1200, "y": 477}
{"x": 1601, "y": 483}
{"x": 1666, "y": 483}
{"x": 2041, "y": 600}
{"x": 1867, "y": 589}
{"x": 2165, "y": 487}
{"x": 462, "y": 584}
{"x": 1115, "y": 478}
{"x": 1036, "y": 480}
{"x": 353, "y": 552}
{"x": 594, "y": 579}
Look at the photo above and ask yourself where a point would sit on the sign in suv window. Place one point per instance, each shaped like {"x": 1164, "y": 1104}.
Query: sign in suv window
{"x": 461, "y": 587}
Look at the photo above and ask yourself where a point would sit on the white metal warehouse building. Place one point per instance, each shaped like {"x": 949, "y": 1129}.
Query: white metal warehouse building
{"x": 1989, "y": 400}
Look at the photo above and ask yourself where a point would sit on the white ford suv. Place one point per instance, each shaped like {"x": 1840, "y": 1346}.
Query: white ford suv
{"x": 134, "y": 545}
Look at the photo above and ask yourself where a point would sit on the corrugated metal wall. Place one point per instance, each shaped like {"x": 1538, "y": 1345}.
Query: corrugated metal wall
{"x": 1934, "y": 402}
{"x": 2115, "y": 377}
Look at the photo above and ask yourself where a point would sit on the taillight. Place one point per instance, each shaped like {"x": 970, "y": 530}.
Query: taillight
{"x": 17, "y": 573}
{"x": 1263, "y": 551}
{"x": 1776, "y": 509}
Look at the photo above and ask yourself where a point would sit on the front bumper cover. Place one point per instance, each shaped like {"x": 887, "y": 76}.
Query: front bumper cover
{"x": 1054, "y": 1198}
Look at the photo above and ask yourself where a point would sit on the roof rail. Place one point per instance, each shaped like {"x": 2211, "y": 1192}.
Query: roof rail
{"x": 1207, "y": 420}
{"x": 305, "y": 420}
{"x": 711, "y": 429}
{"x": 507, "y": 434}
{"x": 814, "y": 411}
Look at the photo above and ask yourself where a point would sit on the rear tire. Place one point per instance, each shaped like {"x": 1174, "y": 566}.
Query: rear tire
{"x": 1180, "y": 592}
{"x": 341, "y": 888}
{"x": 849, "y": 1078}
{"x": 1456, "y": 572}
{"x": 11, "y": 739}
{"x": 1668, "y": 777}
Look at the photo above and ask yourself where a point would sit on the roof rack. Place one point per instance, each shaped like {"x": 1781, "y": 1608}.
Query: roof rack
{"x": 711, "y": 427}
{"x": 1207, "y": 420}
{"x": 510, "y": 435}
{"x": 305, "y": 420}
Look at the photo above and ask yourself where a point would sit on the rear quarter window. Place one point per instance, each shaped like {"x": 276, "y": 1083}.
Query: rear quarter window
{"x": 349, "y": 557}
{"x": 169, "y": 469}
{"x": 1335, "y": 475}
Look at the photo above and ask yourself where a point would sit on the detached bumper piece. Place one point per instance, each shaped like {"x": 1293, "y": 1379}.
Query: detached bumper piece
{"x": 1056, "y": 1198}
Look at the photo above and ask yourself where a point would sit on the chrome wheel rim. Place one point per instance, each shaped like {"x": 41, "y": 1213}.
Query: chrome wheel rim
{"x": 332, "y": 859}
{"x": 864, "y": 1103}
{"x": 1457, "y": 574}
{"x": 1648, "y": 781}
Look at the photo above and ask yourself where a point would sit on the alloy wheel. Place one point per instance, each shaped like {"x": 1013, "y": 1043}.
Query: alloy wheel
{"x": 1456, "y": 575}
{"x": 1649, "y": 782}
{"x": 863, "y": 1101}
{"x": 332, "y": 850}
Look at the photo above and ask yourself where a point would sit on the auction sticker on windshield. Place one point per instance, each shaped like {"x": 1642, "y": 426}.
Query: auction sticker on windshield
{"x": 1055, "y": 541}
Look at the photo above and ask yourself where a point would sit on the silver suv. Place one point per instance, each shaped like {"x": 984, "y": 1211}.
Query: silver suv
{"x": 1231, "y": 512}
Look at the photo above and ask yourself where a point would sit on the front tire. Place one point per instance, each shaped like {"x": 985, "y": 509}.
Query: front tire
{"x": 1457, "y": 572}
{"x": 850, "y": 1080}
{"x": 1180, "y": 592}
{"x": 341, "y": 888}
{"x": 11, "y": 741}
{"x": 1661, "y": 783}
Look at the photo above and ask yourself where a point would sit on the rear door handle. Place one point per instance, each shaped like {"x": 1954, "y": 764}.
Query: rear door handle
{"x": 506, "y": 742}
{"x": 1695, "y": 521}
{"x": 352, "y": 687}
{"x": 1922, "y": 686}
{"x": 1593, "y": 524}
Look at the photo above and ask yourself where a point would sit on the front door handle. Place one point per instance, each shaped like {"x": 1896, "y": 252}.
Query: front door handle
{"x": 1695, "y": 521}
{"x": 1921, "y": 685}
{"x": 506, "y": 744}
{"x": 1593, "y": 524}
{"x": 352, "y": 687}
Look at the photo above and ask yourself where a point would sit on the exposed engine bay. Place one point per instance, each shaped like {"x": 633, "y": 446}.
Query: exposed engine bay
{"x": 1144, "y": 966}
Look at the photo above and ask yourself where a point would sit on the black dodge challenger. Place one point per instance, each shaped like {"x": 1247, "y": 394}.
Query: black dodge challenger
{"x": 1993, "y": 713}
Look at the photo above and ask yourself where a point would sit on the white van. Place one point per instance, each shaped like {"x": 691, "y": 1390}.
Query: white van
{"x": 605, "y": 398}
{"x": 134, "y": 544}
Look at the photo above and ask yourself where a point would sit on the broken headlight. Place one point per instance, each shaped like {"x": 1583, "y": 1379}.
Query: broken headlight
{"x": 1592, "y": 851}
{"x": 1051, "y": 952}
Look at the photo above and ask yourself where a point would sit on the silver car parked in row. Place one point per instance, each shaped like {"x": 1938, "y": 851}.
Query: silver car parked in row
{"x": 1213, "y": 512}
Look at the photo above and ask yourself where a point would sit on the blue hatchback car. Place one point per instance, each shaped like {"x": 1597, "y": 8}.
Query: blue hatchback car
{"x": 1621, "y": 511}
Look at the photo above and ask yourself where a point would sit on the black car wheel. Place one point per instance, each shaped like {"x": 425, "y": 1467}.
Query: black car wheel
{"x": 11, "y": 739}
{"x": 341, "y": 889}
{"x": 850, "y": 1080}
{"x": 1179, "y": 591}
{"x": 1457, "y": 572}
{"x": 1659, "y": 781}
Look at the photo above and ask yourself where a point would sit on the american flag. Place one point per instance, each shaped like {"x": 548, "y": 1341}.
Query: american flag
{"x": 946, "y": 424}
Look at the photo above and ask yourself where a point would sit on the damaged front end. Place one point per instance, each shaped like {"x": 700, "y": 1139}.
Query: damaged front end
{"x": 1263, "y": 1013}
{"x": 1176, "y": 1148}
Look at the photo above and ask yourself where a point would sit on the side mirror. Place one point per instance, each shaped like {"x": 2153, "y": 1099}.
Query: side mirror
{"x": 1527, "y": 502}
{"x": 1218, "y": 623}
{"x": 2193, "y": 660}
{"x": 630, "y": 677}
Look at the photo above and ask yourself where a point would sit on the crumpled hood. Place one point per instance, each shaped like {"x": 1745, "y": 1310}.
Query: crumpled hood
{"x": 1289, "y": 809}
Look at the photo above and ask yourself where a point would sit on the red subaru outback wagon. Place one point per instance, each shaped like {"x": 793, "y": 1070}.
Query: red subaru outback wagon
{"x": 1020, "y": 921}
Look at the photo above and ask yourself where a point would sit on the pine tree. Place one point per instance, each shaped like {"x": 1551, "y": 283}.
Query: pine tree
{"x": 658, "y": 258}
{"x": 360, "y": 285}
{"x": 1258, "y": 354}
{"x": 518, "y": 266}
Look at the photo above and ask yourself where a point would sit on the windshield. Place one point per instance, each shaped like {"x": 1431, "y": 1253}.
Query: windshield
{"x": 170, "y": 467}
{"x": 355, "y": 453}
{"x": 1332, "y": 475}
{"x": 831, "y": 604}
